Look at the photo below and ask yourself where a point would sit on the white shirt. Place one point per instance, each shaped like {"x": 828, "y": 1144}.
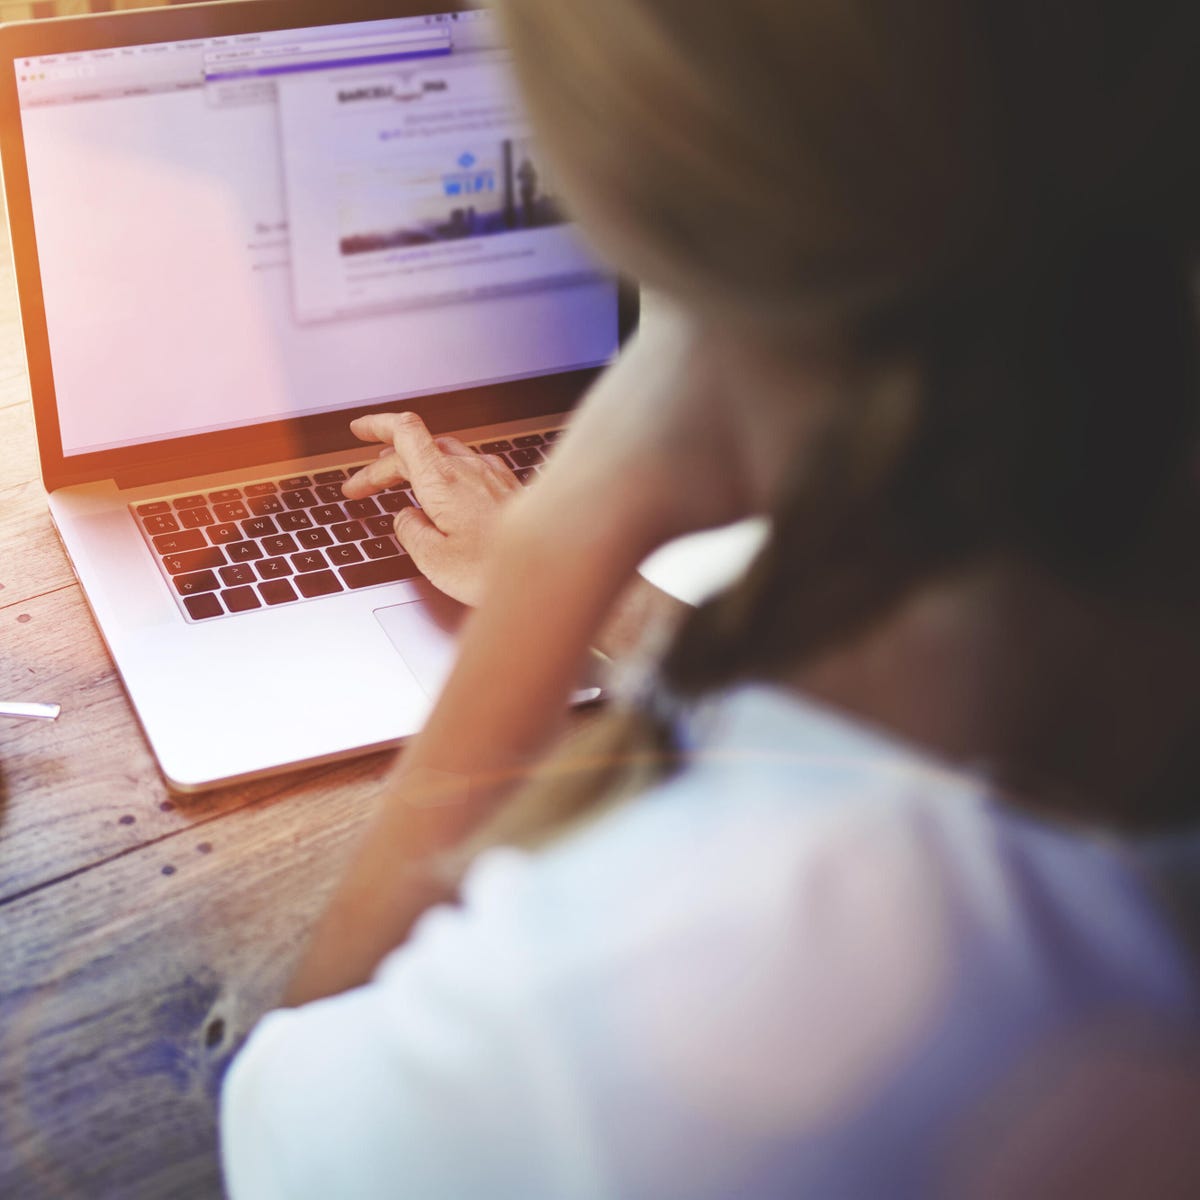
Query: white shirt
{"x": 810, "y": 964}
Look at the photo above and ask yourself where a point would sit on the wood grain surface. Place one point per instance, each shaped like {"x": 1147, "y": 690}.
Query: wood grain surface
{"x": 141, "y": 934}
{"x": 23, "y": 10}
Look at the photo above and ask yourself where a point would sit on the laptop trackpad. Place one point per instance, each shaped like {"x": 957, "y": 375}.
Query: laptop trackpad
{"x": 424, "y": 633}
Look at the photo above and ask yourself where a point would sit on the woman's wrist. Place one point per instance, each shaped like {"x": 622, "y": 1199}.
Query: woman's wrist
{"x": 641, "y": 611}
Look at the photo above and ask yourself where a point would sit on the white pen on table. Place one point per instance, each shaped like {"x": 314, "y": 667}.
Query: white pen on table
{"x": 31, "y": 712}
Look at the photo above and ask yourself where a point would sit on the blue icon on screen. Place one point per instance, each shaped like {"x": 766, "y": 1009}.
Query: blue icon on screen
{"x": 466, "y": 160}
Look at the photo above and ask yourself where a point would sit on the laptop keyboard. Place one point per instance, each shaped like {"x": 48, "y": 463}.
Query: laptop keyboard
{"x": 291, "y": 538}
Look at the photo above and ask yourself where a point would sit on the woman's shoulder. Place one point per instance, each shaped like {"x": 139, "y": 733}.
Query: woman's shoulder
{"x": 794, "y": 824}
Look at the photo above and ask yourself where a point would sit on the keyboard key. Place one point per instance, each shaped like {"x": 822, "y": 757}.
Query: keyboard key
{"x": 194, "y": 560}
{"x": 262, "y": 506}
{"x": 526, "y": 475}
{"x": 277, "y": 591}
{"x": 361, "y": 508}
{"x": 295, "y": 481}
{"x": 329, "y": 493}
{"x": 224, "y": 496}
{"x": 334, "y": 476}
{"x": 189, "y": 502}
{"x": 244, "y": 551}
{"x": 327, "y": 514}
{"x": 529, "y": 457}
{"x": 236, "y": 576}
{"x": 153, "y": 508}
{"x": 355, "y": 470}
{"x": 528, "y": 439}
{"x": 193, "y": 518}
{"x": 161, "y": 524}
{"x": 200, "y": 581}
{"x": 399, "y": 487}
{"x": 235, "y": 510}
{"x": 382, "y": 547}
{"x": 342, "y": 556}
{"x": 301, "y": 499}
{"x": 310, "y": 560}
{"x": 282, "y": 543}
{"x": 380, "y": 526}
{"x": 320, "y": 583}
{"x": 497, "y": 447}
{"x": 260, "y": 489}
{"x": 393, "y": 502}
{"x": 203, "y": 606}
{"x": 314, "y": 539}
{"x": 274, "y": 568}
{"x": 177, "y": 543}
{"x": 258, "y": 527}
{"x": 220, "y": 534}
{"x": 386, "y": 570}
{"x": 552, "y": 435}
{"x": 294, "y": 520}
{"x": 241, "y": 599}
{"x": 351, "y": 531}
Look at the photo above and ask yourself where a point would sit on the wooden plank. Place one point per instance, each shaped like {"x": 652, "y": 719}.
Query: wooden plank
{"x": 125, "y": 991}
{"x": 18, "y": 445}
{"x": 32, "y": 561}
{"x": 14, "y": 387}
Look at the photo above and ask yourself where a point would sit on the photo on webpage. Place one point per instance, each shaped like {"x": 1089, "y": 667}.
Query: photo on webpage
{"x": 421, "y": 187}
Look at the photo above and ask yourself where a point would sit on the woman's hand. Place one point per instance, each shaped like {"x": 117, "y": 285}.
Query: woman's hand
{"x": 655, "y": 452}
{"x": 461, "y": 495}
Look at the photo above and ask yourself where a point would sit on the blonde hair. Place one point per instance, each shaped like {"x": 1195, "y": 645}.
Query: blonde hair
{"x": 1007, "y": 195}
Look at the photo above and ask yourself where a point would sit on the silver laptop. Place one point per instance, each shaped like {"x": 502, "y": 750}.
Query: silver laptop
{"x": 236, "y": 227}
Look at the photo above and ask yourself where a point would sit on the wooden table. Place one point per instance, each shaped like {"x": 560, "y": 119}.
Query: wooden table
{"x": 141, "y": 933}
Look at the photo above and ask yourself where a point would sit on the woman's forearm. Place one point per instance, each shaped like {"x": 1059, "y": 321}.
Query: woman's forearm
{"x": 519, "y": 659}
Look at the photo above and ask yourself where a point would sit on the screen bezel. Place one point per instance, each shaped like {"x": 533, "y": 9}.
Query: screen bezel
{"x": 270, "y": 441}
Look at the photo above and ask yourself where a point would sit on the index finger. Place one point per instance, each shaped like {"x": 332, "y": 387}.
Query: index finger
{"x": 415, "y": 452}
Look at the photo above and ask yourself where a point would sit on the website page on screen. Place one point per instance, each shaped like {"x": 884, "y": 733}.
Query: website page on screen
{"x": 244, "y": 229}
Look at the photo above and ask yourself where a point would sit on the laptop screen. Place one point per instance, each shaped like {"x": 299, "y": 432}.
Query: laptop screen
{"x": 242, "y": 229}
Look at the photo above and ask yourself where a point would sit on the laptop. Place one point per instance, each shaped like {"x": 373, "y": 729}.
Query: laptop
{"x": 236, "y": 227}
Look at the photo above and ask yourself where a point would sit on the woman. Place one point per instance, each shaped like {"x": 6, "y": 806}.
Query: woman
{"x": 883, "y": 882}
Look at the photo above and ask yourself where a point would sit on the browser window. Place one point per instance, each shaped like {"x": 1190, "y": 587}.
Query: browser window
{"x": 417, "y": 186}
{"x": 237, "y": 230}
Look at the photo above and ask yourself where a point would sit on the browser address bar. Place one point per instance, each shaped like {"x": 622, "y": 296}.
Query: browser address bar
{"x": 332, "y": 47}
